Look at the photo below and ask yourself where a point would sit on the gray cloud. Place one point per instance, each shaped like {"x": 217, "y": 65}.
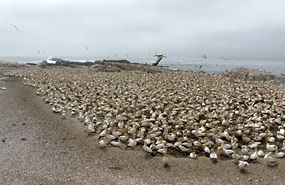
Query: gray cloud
{"x": 189, "y": 28}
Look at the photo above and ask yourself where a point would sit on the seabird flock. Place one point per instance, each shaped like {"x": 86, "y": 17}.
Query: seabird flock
{"x": 196, "y": 114}
{"x": 192, "y": 113}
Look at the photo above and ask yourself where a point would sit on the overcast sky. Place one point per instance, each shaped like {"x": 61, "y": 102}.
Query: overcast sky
{"x": 187, "y": 28}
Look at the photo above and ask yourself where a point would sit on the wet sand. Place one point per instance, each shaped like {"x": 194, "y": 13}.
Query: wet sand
{"x": 39, "y": 147}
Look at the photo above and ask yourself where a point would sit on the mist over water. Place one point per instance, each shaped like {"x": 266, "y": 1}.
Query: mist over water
{"x": 211, "y": 65}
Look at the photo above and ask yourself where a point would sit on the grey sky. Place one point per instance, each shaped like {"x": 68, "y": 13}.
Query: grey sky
{"x": 188, "y": 28}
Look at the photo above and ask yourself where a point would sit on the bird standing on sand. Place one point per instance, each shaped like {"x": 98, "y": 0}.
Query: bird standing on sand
{"x": 279, "y": 154}
{"x": 102, "y": 143}
{"x": 147, "y": 148}
{"x": 213, "y": 156}
{"x": 165, "y": 160}
{"x": 254, "y": 156}
{"x": 270, "y": 160}
{"x": 242, "y": 165}
{"x": 193, "y": 155}
{"x": 159, "y": 58}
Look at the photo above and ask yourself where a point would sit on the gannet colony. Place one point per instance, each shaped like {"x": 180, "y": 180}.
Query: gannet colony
{"x": 167, "y": 111}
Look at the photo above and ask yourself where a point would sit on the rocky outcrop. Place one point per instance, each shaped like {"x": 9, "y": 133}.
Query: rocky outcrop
{"x": 119, "y": 67}
{"x": 57, "y": 59}
{"x": 112, "y": 61}
{"x": 254, "y": 75}
{"x": 31, "y": 64}
{"x": 10, "y": 64}
{"x": 70, "y": 63}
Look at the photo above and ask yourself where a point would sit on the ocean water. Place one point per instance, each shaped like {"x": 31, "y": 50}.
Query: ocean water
{"x": 211, "y": 65}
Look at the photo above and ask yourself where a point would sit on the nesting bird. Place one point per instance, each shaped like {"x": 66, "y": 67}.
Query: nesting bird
{"x": 254, "y": 156}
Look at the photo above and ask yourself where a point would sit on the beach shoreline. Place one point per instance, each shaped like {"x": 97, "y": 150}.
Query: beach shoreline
{"x": 41, "y": 147}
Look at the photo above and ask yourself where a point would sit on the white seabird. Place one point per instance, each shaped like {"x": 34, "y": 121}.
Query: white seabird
{"x": 159, "y": 58}
{"x": 15, "y": 27}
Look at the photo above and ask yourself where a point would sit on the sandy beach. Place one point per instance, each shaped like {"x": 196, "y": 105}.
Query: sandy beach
{"x": 39, "y": 147}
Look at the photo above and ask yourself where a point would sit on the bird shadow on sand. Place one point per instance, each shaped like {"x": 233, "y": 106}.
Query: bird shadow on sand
{"x": 167, "y": 167}
{"x": 244, "y": 172}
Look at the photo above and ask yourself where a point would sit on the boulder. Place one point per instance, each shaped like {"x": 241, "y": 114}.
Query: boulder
{"x": 254, "y": 75}
{"x": 43, "y": 64}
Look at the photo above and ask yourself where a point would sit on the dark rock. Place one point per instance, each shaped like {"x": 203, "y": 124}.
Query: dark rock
{"x": 68, "y": 63}
{"x": 112, "y": 61}
{"x": 62, "y": 63}
{"x": 56, "y": 59}
{"x": 43, "y": 64}
{"x": 99, "y": 62}
{"x": 31, "y": 64}
{"x": 254, "y": 75}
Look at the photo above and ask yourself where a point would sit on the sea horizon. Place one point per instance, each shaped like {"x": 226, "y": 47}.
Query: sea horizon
{"x": 211, "y": 65}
